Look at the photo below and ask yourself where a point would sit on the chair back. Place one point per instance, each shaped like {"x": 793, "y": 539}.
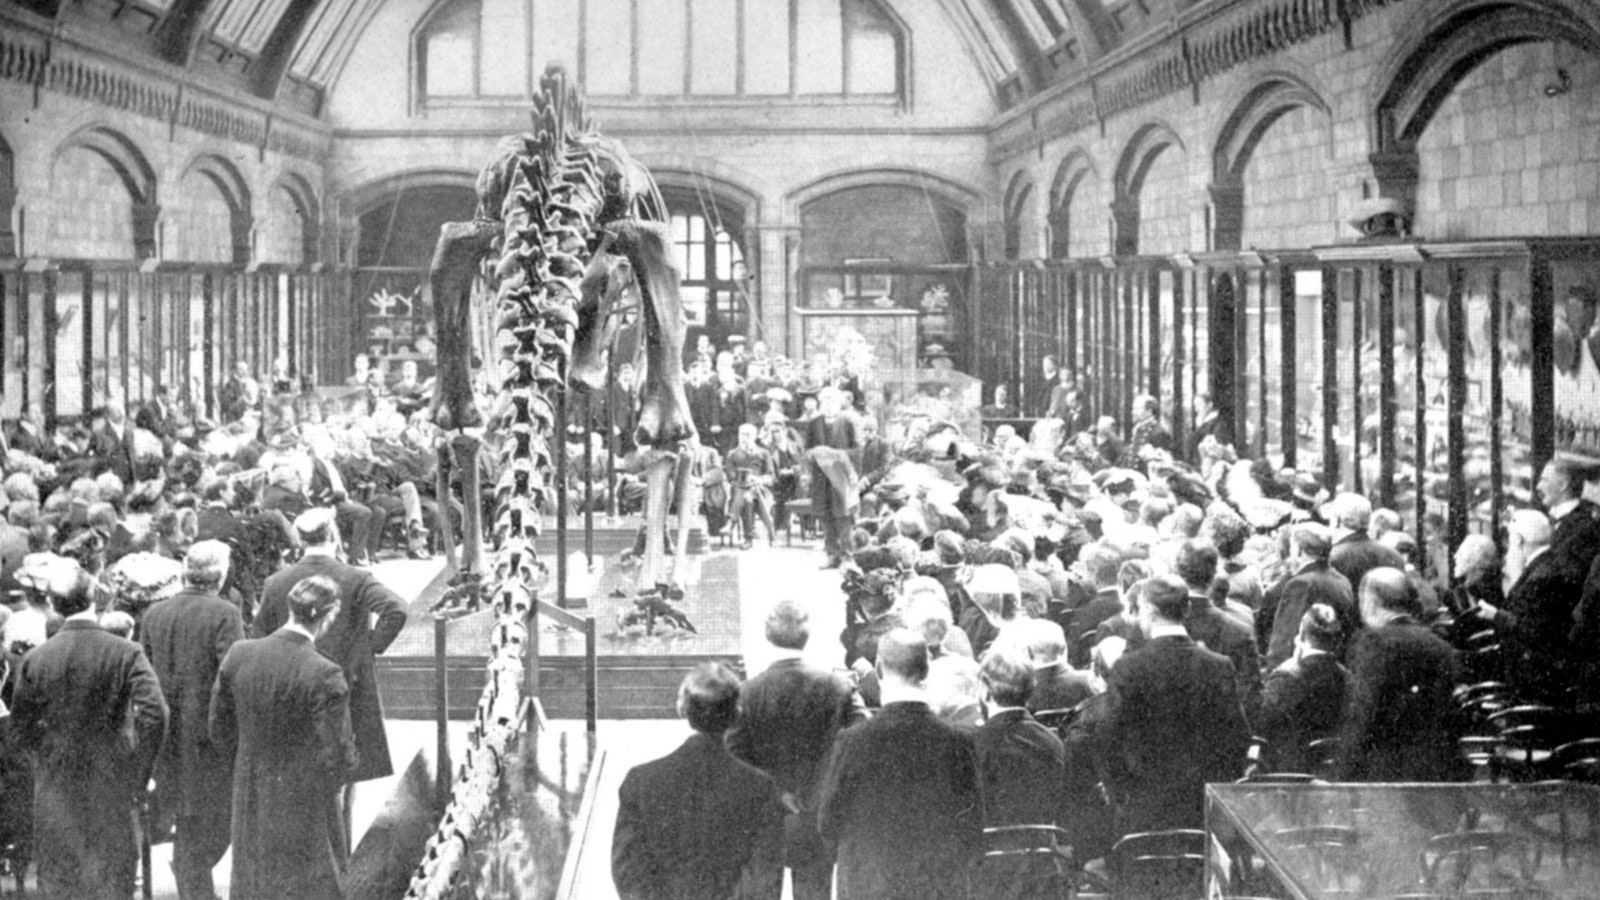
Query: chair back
{"x": 1159, "y": 865}
{"x": 1032, "y": 861}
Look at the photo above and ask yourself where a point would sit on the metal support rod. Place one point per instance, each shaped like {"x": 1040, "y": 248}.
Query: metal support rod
{"x": 611, "y": 434}
{"x": 560, "y": 451}
{"x": 591, "y": 677}
{"x": 530, "y": 665}
{"x": 588, "y": 482}
{"x": 441, "y": 707}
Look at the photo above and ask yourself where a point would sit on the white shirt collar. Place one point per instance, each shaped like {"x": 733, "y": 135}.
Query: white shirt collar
{"x": 1160, "y": 631}
{"x": 1560, "y": 510}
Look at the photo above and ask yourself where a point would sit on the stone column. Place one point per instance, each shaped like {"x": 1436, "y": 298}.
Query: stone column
{"x": 1125, "y": 226}
{"x": 775, "y": 259}
{"x": 8, "y": 235}
{"x": 146, "y": 217}
{"x": 1227, "y": 215}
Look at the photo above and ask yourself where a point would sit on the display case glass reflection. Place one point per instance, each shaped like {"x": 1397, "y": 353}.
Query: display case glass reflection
{"x": 1255, "y": 362}
{"x": 1308, "y": 369}
{"x": 1434, "y": 455}
{"x": 1368, "y": 412}
{"x": 1168, "y": 315}
{"x": 1272, "y": 371}
{"x": 1407, "y": 339}
{"x": 1575, "y": 289}
{"x": 1318, "y": 842}
{"x": 1516, "y": 387}
{"x": 1346, "y": 424}
{"x": 1197, "y": 332}
{"x": 1478, "y": 284}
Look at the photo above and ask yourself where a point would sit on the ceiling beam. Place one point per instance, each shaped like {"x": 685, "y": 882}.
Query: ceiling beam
{"x": 270, "y": 67}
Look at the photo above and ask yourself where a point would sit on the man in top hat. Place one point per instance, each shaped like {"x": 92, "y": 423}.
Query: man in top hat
{"x": 351, "y": 640}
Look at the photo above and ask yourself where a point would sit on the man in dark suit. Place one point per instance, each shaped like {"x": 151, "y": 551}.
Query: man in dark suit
{"x": 788, "y": 718}
{"x": 1304, "y": 696}
{"x": 688, "y": 823}
{"x": 186, "y": 638}
{"x": 1534, "y": 622}
{"x": 351, "y": 640}
{"x": 157, "y": 415}
{"x": 1102, "y": 562}
{"x": 900, "y": 796}
{"x": 1214, "y": 629}
{"x": 1575, "y": 520}
{"x": 1174, "y": 719}
{"x": 1355, "y": 553}
{"x": 1206, "y": 424}
{"x": 88, "y": 708}
{"x": 1399, "y": 722}
{"x": 1056, "y": 685}
{"x": 112, "y": 444}
{"x": 1314, "y": 582}
{"x": 282, "y": 710}
{"x": 1021, "y": 773}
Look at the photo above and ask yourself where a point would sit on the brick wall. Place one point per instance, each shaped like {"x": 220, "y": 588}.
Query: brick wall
{"x": 1501, "y": 157}
{"x": 898, "y": 223}
{"x": 199, "y": 223}
{"x": 1288, "y": 200}
{"x": 281, "y": 237}
{"x": 1165, "y": 202}
{"x": 89, "y": 212}
{"x": 1088, "y": 211}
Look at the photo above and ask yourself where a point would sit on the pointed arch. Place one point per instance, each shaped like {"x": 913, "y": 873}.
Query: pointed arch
{"x": 1273, "y": 95}
{"x": 1075, "y": 171}
{"x": 225, "y": 176}
{"x": 121, "y": 153}
{"x": 1443, "y": 43}
{"x": 1144, "y": 147}
{"x": 132, "y": 168}
{"x": 306, "y": 203}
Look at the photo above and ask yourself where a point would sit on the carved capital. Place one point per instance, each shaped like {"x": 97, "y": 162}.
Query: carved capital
{"x": 145, "y": 218}
{"x": 1227, "y": 215}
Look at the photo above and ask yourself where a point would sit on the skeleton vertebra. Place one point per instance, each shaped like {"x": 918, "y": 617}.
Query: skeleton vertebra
{"x": 560, "y": 205}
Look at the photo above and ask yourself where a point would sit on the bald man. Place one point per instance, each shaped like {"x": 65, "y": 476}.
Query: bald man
{"x": 1538, "y": 610}
{"x": 1399, "y": 722}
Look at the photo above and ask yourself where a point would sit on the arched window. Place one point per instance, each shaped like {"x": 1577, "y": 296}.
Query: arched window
{"x": 470, "y": 49}
{"x": 712, "y": 275}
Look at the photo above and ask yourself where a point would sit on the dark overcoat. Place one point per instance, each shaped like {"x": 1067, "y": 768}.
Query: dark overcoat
{"x": 283, "y": 709}
{"x": 351, "y": 641}
{"x": 687, "y": 823}
{"x": 185, "y": 638}
{"x": 1174, "y": 722}
{"x": 900, "y": 801}
{"x": 88, "y": 707}
{"x": 1400, "y": 722}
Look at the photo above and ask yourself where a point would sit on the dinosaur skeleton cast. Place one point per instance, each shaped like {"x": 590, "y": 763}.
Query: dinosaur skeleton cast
{"x": 572, "y": 225}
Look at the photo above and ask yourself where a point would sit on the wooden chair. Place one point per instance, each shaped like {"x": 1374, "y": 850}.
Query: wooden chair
{"x": 1323, "y": 756}
{"x": 1474, "y": 861}
{"x": 1028, "y": 861}
{"x": 1158, "y": 865}
{"x": 1334, "y": 852}
{"x": 1527, "y": 737}
{"x": 1057, "y": 719}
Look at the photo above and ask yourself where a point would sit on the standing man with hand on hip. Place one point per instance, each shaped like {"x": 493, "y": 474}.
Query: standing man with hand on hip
{"x": 283, "y": 709}
{"x": 186, "y": 638}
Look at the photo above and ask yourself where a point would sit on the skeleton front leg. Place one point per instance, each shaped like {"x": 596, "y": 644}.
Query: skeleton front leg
{"x": 657, "y": 501}
{"x": 465, "y": 448}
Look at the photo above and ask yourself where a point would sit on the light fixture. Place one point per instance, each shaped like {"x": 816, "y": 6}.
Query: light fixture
{"x": 1560, "y": 86}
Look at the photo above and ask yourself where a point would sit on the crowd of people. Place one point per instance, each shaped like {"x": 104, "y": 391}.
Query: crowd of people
{"x": 189, "y": 605}
{"x": 1082, "y": 630}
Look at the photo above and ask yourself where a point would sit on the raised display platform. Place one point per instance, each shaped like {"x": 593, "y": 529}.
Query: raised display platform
{"x": 638, "y": 674}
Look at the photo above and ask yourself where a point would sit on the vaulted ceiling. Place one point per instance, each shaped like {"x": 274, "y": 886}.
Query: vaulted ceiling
{"x": 293, "y": 50}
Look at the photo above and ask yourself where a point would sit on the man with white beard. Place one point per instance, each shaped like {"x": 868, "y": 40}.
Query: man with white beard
{"x": 1533, "y": 624}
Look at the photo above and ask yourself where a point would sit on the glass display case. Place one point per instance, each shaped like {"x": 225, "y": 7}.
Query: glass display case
{"x": 897, "y": 397}
{"x": 1314, "y": 841}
